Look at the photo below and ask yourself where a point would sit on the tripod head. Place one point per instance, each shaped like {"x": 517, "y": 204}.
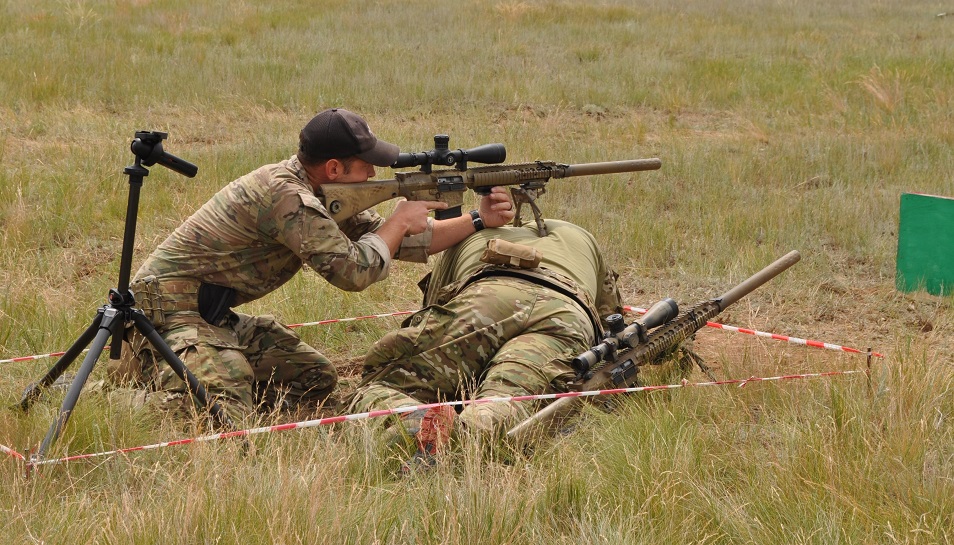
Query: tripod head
{"x": 442, "y": 155}
{"x": 148, "y": 149}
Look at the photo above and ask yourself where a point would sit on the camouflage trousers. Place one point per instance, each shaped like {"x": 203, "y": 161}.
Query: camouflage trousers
{"x": 498, "y": 337}
{"x": 245, "y": 362}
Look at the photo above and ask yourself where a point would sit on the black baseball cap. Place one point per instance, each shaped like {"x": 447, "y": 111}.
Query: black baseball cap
{"x": 337, "y": 133}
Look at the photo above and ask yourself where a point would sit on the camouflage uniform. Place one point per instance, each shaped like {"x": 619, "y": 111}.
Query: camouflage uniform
{"x": 246, "y": 241}
{"x": 491, "y": 331}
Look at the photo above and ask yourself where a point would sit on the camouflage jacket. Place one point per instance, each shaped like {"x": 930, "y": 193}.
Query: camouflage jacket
{"x": 258, "y": 231}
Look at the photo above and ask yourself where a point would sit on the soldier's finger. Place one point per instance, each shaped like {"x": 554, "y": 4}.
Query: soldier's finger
{"x": 434, "y": 205}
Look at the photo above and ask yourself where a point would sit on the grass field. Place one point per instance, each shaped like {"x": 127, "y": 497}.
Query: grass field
{"x": 793, "y": 124}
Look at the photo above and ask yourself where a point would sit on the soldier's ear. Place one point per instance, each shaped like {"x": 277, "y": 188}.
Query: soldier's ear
{"x": 333, "y": 168}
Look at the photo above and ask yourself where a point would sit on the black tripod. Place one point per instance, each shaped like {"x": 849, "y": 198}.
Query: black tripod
{"x": 111, "y": 319}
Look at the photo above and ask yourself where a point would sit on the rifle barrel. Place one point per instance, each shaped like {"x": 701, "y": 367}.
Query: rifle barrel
{"x": 609, "y": 167}
{"x": 759, "y": 278}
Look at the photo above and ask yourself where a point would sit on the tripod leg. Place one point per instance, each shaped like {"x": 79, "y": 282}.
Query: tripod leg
{"x": 34, "y": 390}
{"x": 111, "y": 324}
{"x": 195, "y": 387}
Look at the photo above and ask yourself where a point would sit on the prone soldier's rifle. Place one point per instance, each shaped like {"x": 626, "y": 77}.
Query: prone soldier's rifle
{"x": 344, "y": 200}
{"x": 615, "y": 361}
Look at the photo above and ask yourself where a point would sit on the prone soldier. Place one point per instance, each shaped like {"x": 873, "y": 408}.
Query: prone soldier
{"x": 506, "y": 311}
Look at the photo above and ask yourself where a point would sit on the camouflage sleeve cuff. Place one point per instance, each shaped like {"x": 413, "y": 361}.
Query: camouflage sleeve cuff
{"x": 377, "y": 244}
{"x": 415, "y": 247}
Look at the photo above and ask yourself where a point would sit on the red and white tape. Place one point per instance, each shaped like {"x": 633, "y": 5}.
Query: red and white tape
{"x": 774, "y": 336}
{"x": 319, "y": 322}
{"x": 724, "y": 327}
{"x": 369, "y": 316}
{"x": 11, "y": 452}
{"x": 36, "y": 357}
{"x": 401, "y": 410}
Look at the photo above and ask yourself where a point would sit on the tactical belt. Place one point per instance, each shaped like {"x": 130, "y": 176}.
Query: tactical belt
{"x": 156, "y": 298}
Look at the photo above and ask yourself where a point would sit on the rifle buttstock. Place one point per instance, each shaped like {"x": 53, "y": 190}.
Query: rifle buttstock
{"x": 543, "y": 420}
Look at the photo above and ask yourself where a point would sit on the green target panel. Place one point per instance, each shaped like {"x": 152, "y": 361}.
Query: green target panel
{"x": 926, "y": 244}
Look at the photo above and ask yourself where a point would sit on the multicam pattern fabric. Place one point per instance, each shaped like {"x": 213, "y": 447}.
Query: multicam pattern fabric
{"x": 249, "y": 362}
{"x": 496, "y": 336}
{"x": 258, "y": 231}
{"x": 253, "y": 236}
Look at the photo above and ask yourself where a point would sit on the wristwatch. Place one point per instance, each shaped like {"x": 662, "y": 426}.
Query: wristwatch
{"x": 475, "y": 217}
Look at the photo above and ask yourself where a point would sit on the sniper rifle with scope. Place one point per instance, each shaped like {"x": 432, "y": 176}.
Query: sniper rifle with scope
{"x": 529, "y": 180}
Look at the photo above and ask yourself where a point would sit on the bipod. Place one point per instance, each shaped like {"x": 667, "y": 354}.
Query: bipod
{"x": 111, "y": 319}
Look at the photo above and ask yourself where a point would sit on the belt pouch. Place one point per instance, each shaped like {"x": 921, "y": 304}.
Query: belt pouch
{"x": 501, "y": 252}
{"x": 149, "y": 296}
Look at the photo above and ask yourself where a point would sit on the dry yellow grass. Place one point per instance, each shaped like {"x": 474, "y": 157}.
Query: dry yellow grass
{"x": 783, "y": 125}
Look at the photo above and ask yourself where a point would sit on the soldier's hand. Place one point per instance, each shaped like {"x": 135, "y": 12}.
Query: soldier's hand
{"x": 496, "y": 209}
{"x": 414, "y": 214}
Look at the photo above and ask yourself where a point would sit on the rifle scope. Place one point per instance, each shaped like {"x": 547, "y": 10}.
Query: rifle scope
{"x": 442, "y": 155}
{"x": 626, "y": 337}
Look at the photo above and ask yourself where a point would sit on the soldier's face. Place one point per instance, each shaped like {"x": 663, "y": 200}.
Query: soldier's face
{"x": 355, "y": 170}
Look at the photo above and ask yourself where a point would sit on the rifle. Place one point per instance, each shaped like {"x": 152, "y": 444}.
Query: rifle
{"x": 625, "y": 349}
{"x": 347, "y": 199}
